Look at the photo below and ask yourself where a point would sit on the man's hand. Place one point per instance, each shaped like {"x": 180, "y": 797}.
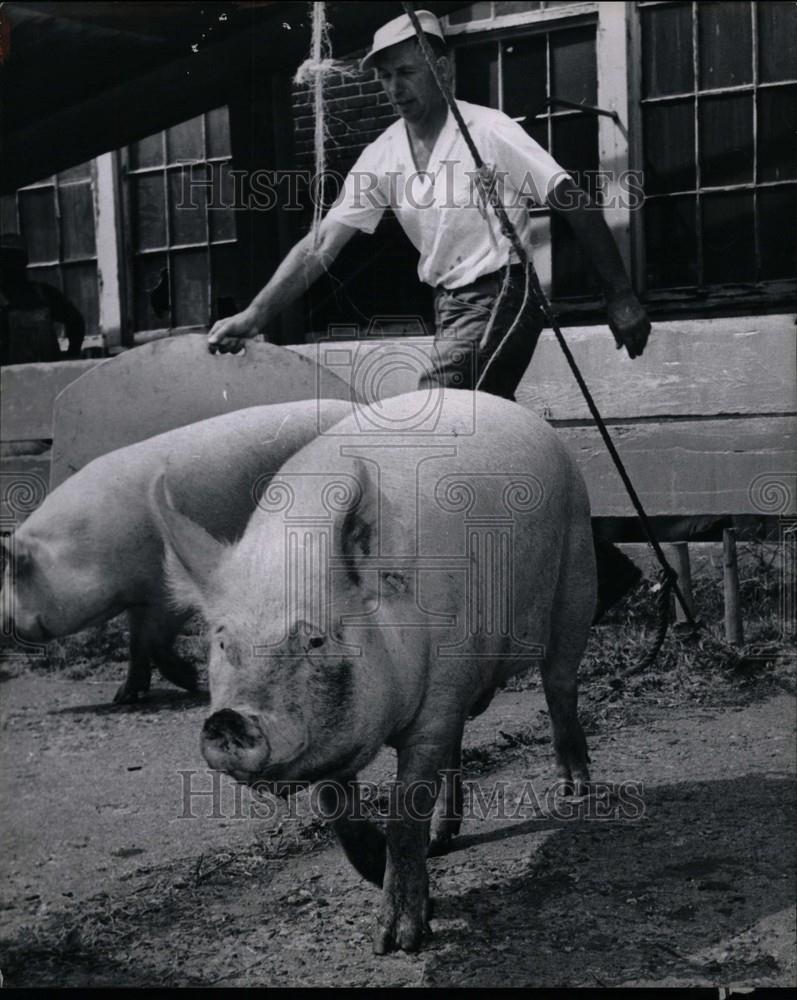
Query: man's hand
{"x": 228, "y": 335}
{"x": 628, "y": 321}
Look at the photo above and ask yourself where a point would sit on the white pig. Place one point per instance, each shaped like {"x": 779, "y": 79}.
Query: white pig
{"x": 93, "y": 549}
{"x": 392, "y": 576}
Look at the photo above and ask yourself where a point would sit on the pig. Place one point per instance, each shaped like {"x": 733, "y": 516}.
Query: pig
{"x": 93, "y": 549}
{"x": 379, "y": 595}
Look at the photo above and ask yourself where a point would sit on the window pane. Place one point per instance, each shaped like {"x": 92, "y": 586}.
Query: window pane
{"x": 187, "y": 199}
{"x": 538, "y": 130}
{"x": 80, "y": 287}
{"x": 477, "y": 74}
{"x": 525, "y": 77}
{"x": 726, "y": 140}
{"x": 151, "y": 282}
{"x": 667, "y": 61}
{"x": 777, "y": 133}
{"x": 777, "y": 232}
{"x": 147, "y": 152}
{"x": 671, "y": 242}
{"x": 574, "y": 74}
{"x": 77, "y": 221}
{"x": 184, "y": 141}
{"x": 728, "y": 237}
{"x": 669, "y": 136}
{"x": 575, "y": 147}
{"x": 79, "y": 173}
{"x": 777, "y": 40}
{"x": 47, "y": 275}
{"x": 217, "y": 130}
{"x": 571, "y": 274}
{"x": 226, "y": 270}
{"x": 222, "y": 218}
{"x": 148, "y": 211}
{"x": 726, "y": 44}
{"x": 39, "y": 224}
{"x": 190, "y": 285}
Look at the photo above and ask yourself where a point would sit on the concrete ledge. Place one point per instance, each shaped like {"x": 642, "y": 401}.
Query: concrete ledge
{"x": 702, "y": 368}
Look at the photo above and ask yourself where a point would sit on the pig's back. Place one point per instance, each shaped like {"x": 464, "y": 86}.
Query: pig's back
{"x": 212, "y": 468}
{"x": 469, "y": 456}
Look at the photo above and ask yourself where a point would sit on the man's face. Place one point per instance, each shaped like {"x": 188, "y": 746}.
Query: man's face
{"x": 408, "y": 81}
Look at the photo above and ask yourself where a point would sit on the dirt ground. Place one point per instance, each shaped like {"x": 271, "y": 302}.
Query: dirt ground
{"x": 107, "y": 882}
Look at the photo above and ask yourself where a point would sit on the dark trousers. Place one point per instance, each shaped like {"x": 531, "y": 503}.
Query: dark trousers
{"x": 463, "y": 345}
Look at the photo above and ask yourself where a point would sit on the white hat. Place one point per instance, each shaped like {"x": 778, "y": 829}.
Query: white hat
{"x": 399, "y": 30}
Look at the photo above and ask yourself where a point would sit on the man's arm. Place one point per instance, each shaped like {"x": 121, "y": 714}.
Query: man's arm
{"x": 628, "y": 320}
{"x": 302, "y": 266}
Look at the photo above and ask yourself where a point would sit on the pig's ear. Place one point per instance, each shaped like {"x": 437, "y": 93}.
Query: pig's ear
{"x": 360, "y": 525}
{"x": 192, "y": 555}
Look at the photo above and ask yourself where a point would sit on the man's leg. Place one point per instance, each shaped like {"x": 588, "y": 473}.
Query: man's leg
{"x": 463, "y": 317}
{"x": 617, "y": 576}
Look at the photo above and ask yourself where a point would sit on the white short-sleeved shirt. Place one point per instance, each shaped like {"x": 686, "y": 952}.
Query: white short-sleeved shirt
{"x": 440, "y": 209}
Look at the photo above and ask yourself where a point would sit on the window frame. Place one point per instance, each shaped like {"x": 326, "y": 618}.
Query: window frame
{"x": 125, "y": 172}
{"x": 609, "y": 22}
{"x": 620, "y": 148}
{"x": 774, "y": 295}
{"x": 41, "y": 270}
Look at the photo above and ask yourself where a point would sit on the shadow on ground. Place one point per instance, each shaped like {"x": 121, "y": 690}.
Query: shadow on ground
{"x": 156, "y": 700}
{"x": 605, "y": 902}
{"x": 592, "y": 903}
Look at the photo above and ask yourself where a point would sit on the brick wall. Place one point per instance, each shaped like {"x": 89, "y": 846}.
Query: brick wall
{"x": 375, "y": 276}
{"x": 357, "y": 112}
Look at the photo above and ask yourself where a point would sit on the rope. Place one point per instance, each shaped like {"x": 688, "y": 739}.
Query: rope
{"x": 489, "y": 192}
{"x": 663, "y": 616}
{"x": 314, "y": 73}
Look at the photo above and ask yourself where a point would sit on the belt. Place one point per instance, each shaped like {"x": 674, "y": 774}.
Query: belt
{"x": 515, "y": 270}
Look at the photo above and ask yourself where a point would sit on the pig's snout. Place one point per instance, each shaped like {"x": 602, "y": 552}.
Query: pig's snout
{"x": 235, "y": 743}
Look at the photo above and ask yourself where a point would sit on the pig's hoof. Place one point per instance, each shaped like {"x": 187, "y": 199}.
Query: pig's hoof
{"x": 125, "y": 696}
{"x": 404, "y": 935}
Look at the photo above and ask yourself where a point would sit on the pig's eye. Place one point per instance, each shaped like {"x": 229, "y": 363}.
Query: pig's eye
{"x": 316, "y": 641}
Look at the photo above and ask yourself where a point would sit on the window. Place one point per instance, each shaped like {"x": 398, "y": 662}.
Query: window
{"x": 181, "y": 226}
{"x": 719, "y": 117}
{"x": 56, "y": 218}
{"x": 536, "y": 79}
{"x": 488, "y": 11}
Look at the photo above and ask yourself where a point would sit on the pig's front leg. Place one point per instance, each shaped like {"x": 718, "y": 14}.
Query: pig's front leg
{"x": 362, "y": 843}
{"x": 447, "y": 818}
{"x": 139, "y": 671}
{"x": 152, "y": 632}
{"x": 404, "y": 913}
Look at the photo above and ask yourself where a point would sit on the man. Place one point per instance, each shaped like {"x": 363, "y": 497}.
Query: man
{"x": 422, "y": 169}
{"x": 29, "y": 310}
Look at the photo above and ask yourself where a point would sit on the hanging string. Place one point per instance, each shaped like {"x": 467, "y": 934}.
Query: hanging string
{"x": 314, "y": 72}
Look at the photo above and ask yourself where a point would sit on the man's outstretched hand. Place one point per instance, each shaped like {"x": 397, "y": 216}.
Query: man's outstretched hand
{"x": 228, "y": 335}
{"x": 629, "y": 322}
